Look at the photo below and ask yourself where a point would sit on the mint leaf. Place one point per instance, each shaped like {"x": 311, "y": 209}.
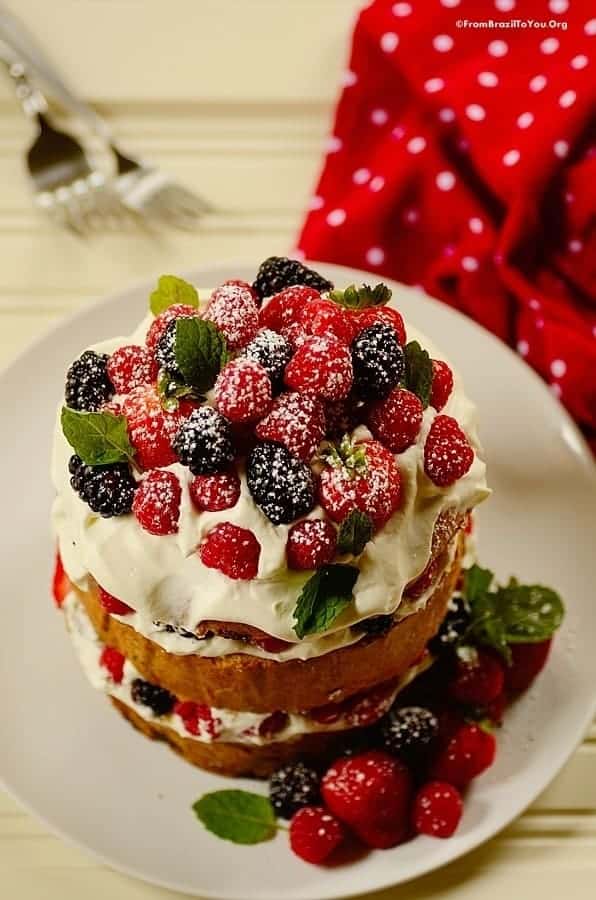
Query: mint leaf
{"x": 419, "y": 371}
{"x": 171, "y": 290}
{"x": 530, "y": 612}
{"x": 323, "y": 598}
{"x": 355, "y": 532}
{"x": 487, "y": 627}
{"x": 170, "y": 391}
{"x": 237, "y": 816}
{"x": 98, "y": 438}
{"x": 362, "y": 297}
{"x": 200, "y": 351}
{"x": 477, "y": 581}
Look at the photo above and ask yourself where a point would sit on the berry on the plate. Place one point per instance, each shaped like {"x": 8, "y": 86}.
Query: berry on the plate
{"x": 478, "y": 681}
{"x": 88, "y": 384}
{"x": 107, "y": 490}
{"x": 364, "y": 476}
{"x": 396, "y": 420}
{"x": 233, "y": 309}
{"x": 469, "y": 752}
{"x": 111, "y": 604}
{"x": 311, "y": 544}
{"x": 448, "y": 454}
{"x": 60, "y": 582}
{"x": 272, "y": 351}
{"x": 292, "y": 787}
{"x": 410, "y": 732}
{"x": 442, "y": 384}
{"x": 212, "y": 493}
{"x": 438, "y": 809}
{"x": 161, "y": 322}
{"x": 130, "y": 366}
{"x": 280, "y": 484}
{"x": 279, "y": 272}
{"x": 527, "y": 660}
{"x": 323, "y": 366}
{"x": 315, "y": 834}
{"x": 378, "y": 360}
{"x": 371, "y": 792}
{"x": 204, "y": 442}
{"x": 326, "y": 317}
{"x": 157, "y": 503}
{"x": 159, "y": 701}
{"x": 286, "y": 308}
{"x": 113, "y": 662}
{"x": 198, "y": 719}
{"x": 151, "y": 428}
{"x": 384, "y": 315}
{"x": 297, "y": 421}
{"x": 453, "y": 627}
{"x": 232, "y": 550}
{"x": 243, "y": 390}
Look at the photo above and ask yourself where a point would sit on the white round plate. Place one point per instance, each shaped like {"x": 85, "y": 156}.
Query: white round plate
{"x": 77, "y": 765}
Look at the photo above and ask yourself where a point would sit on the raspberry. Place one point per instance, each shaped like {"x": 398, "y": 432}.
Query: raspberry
{"x": 150, "y": 428}
{"x": 438, "y": 808}
{"x": 315, "y": 834}
{"x": 469, "y": 752}
{"x": 161, "y": 322}
{"x": 243, "y": 390}
{"x": 286, "y": 307}
{"x": 295, "y": 334}
{"x": 442, "y": 384}
{"x": 111, "y": 604}
{"x": 292, "y": 787}
{"x": 342, "y": 416}
{"x": 113, "y": 661}
{"x": 232, "y": 308}
{"x": 479, "y": 682}
{"x": 157, "y": 503}
{"x": 396, "y": 420}
{"x": 447, "y": 452}
{"x": 323, "y": 366}
{"x": 527, "y": 660}
{"x": 130, "y": 367}
{"x": 326, "y": 317}
{"x": 159, "y": 701}
{"x": 366, "y": 479}
{"x": 88, "y": 385}
{"x": 386, "y": 315}
{"x": 238, "y": 282}
{"x": 107, "y": 490}
{"x": 232, "y": 550}
{"x": 371, "y": 792}
{"x": 378, "y": 360}
{"x": 272, "y": 351}
{"x": 204, "y": 442}
{"x": 297, "y": 421}
{"x": 280, "y": 484}
{"x": 213, "y": 493}
{"x": 278, "y": 272}
{"x": 311, "y": 544}
{"x": 198, "y": 719}
{"x": 410, "y": 733}
{"x": 60, "y": 582}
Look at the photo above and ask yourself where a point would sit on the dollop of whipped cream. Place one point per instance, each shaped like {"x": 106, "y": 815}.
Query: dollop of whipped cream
{"x": 163, "y": 579}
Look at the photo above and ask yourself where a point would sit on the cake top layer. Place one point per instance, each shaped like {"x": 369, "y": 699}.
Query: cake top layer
{"x": 280, "y": 463}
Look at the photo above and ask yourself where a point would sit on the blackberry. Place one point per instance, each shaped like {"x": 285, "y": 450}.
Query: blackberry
{"x": 204, "y": 442}
{"x": 454, "y": 626}
{"x": 280, "y": 484}
{"x": 88, "y": 385}
{"x": 165, "y": 354}
{"x": 272, "y": 351}
{"x": 378, "y": 361}
{"x": 410, "y": 733}
{"x": 159, "y": 701}
{"x": 279, "y": 272}
{"x": 375, "y": 625}
{"x": 107, "y": 490}
{"x": 292, "y": 787}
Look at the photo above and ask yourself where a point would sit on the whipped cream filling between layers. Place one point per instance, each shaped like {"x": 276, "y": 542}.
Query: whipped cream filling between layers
{"x": 163, "y": 579}
{"x": 225, "y": 725}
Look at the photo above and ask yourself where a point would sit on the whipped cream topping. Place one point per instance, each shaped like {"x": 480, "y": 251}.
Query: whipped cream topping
{"x": 163, "y": 579}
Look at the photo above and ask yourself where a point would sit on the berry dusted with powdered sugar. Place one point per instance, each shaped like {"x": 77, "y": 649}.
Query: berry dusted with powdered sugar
{"x": 272, "y": 351}
{"x": 280, "y": 484}
{"x": 379, "y": 362}
{"x": 212, "y": 493}
{"x": 107, "y": 490}
{"x": 453, "y": 627}
{"x": 384, "y": 315}
{"x": 286, "y": 308}
{"x": 295, "y": 334}
{"x": 410, "y": 732}
{"x": 88, "y": 384}
{"x": 438, "y": 808}
{"x": 342, "y": 416}
{"x": 442, "y": 384}
{"x": 322, "y": 366}
{"x": 161, "y": 322}
{"x": 315, "y": 834}
{"x": 232, "y": 550}
{"x": 157, "y": 503}
{"x": 165, "y": 352}
{"x": 311, "y": 544}
{"x": 151, "y": 429}
{"x": 130, "y": 367}
{"x": 242, "y": 391}
{"x": 292, "y": 787}
{"x": 113, "y": 662}
{"x": 204, "y": 442}
{"x": 159, "y": 701}
{"x": 279, "y": 272}
{"x": 448, "y": 454}
{"x": 111, "y": 604}
{"x": 232, "y": 308}
{"x": 396, "y": 420}
{"x": 325, "y": 317}
{"x": 469, "y": 752}
{"x": 297, "y": 421}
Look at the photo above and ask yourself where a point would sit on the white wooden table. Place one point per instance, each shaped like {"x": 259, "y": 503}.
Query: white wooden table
{"x": 234, "y": 97}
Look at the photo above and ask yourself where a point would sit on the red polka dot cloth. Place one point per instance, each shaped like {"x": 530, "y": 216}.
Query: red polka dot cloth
{"x": 463, "y": 160}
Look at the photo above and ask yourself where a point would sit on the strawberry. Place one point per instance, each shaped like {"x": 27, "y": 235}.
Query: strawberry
{"x": 442, "y": 384}
{"x": 396, "y": 420}
{"x": 314, "y": 834}
{"x": 323, "y": 366}
{"x": 111, "y": 604}
{"x": 131, "y": 366}
{"x": 478, "y": 682}
{"x": 470, "y": 752}
{"x": 151, "y": 429}
{"x": 242, "y": 391}
{"x": 438, "y": 809}
{"x": 198, "y": 719}
{"x": 113, "y": 662}
{"x": 385, "y": 314}
{"x": 157, "y": 502}
{"x": 60, "y": 582}
{"x": 233, "y": 309}
{"x": 448, "y": 454}
{"x": 297, "y": 421}
{"x": 160, "y": 323}
{"x": 527, "y": 660}
{"x": 295, "y": 334}
{"x": 311, "y": 544}
{"x": 286, "y": 307}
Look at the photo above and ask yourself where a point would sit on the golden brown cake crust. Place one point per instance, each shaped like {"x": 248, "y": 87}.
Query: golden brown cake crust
{"x": 243, "y": 682}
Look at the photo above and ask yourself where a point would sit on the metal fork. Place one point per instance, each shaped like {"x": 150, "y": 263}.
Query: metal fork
{"x": 142, "y": 188}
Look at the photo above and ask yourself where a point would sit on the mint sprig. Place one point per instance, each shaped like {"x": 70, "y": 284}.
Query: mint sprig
{"x": 323, "y": 598}
{"x": 171, "y": 391}
{"x": 238, "y": 816}
{"x": 419, "y": 371}
{"x": 355, "y": 532}
{"x": 99, "y": 438}
{"x": 201, "y": 352}
{"x": 171, "y": 290}
{"x": 362, "y": 297}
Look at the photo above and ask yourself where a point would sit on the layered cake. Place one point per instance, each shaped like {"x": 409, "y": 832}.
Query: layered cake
{"x": 262, "y": 499}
